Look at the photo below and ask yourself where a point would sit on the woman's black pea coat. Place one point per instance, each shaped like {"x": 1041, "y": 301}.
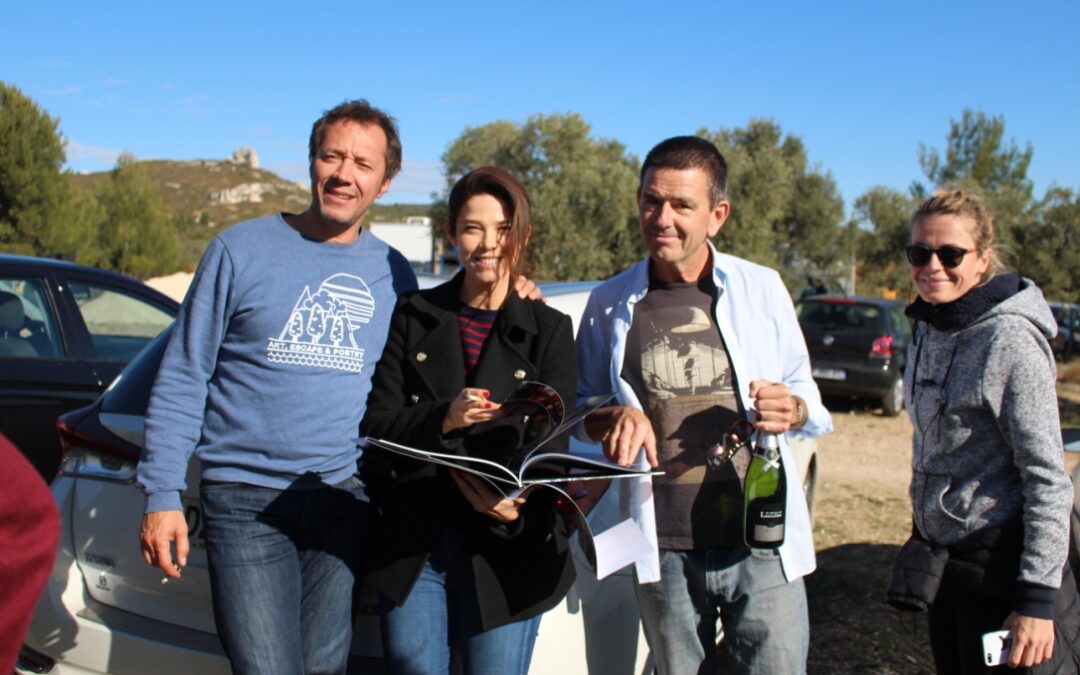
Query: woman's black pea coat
{"x": 520, "y": 569}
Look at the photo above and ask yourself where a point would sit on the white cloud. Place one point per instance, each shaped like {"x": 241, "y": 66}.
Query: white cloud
{"x": 70, "y": 90}
{"x": 193, "y": 100}
{"x": 416, "y": 182}
{"x": 114, "y": 82}
{"x": 91, "y": 157}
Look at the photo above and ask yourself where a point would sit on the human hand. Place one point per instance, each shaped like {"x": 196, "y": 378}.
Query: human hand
{"x": 527, "y": 290}
{"x": 623, "y": 431}
{"x": 485, "y": 500}
{"x": 159, "y": 529}
{"x": 776, "y": 408}
{"x": 1032, "y": 640}
{"x": 468, "y": 408}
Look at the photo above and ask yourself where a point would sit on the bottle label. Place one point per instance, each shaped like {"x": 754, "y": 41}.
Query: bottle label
{"x": 768, "y": 534}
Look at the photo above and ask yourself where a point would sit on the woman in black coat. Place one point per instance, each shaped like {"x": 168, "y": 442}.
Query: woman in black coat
{"x": 458, "y": 565}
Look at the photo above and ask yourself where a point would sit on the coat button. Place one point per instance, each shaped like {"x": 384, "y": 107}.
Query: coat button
{"x": 414, "y": 399}
{"x": 421, "y": 357}
{"x": 519, "y": 374}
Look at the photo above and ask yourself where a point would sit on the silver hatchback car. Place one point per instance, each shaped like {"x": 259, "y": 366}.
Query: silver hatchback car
{"x": 105, "y": 611}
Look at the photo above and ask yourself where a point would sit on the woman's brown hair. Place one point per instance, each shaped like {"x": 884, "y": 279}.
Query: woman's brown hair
{"x": 961, "y": 202}
{"x": 508, "y": 190}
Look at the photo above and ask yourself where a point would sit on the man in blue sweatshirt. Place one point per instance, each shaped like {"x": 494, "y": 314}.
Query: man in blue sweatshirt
{"x": 265, "y": 380}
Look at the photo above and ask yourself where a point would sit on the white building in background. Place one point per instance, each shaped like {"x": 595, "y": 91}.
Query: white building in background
{"x": 413, "y": 238}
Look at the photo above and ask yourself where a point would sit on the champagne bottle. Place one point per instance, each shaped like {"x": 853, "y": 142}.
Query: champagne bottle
{"x": 765, "y": 494}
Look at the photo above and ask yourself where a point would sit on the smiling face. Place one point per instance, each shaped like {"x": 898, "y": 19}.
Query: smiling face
{"x": 347, "y": 175}
{"x": 934, "y": 282}
{"x": 676, "y": 217}
{"x": 481, "y": 235}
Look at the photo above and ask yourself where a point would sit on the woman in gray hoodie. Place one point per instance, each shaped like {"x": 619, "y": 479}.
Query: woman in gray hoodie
{"x": 988, "y": 479}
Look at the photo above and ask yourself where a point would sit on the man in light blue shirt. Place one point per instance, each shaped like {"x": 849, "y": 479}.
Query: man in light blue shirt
{"x": 694, "y": 341}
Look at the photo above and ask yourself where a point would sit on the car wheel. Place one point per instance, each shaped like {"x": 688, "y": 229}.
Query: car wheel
{"x": 892, "y": 403}
{"x": 809, "y": 486}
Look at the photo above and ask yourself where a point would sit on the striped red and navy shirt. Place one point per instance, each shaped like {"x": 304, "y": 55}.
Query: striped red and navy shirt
{"x": 475, "y": 326}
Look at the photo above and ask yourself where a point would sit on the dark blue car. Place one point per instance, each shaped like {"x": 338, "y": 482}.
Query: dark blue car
{"x": 858, "y": 346}
{"x": 65, "y": 332}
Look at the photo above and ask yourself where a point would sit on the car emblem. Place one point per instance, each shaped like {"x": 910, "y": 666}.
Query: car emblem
{"x": 828, "y": 340}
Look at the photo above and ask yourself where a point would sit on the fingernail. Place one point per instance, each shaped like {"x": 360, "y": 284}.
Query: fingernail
{"x": 487, "y": 405}
{"x": 487, "y": 393}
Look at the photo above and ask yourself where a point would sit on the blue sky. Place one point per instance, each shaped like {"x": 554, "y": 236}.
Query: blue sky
{"x": 863, "y": 83}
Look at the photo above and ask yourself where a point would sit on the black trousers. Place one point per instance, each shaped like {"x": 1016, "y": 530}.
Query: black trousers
{"x": 959, "y": 618}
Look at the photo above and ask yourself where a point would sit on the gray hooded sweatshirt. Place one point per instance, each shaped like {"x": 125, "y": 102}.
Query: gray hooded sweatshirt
{"x": 980, "y": 390}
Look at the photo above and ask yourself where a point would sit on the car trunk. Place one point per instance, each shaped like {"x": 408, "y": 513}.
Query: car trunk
{"x": 105, "y": 525}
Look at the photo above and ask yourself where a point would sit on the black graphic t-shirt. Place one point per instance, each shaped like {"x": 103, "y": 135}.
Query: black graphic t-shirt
{"x": 678, "y": 366}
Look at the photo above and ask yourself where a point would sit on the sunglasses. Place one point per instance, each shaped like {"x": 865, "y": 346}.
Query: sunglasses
{"x": 738, "y": 436}
{"x": 950, "y": 256}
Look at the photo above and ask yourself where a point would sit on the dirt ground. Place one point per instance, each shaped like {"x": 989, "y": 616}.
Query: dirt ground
{"x": 862, "y": 516}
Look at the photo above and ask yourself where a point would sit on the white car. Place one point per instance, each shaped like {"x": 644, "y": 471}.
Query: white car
{"x": 105, "y": 611}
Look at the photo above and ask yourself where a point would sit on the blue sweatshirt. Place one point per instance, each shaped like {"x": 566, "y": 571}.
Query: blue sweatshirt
{"x": 268, "y": 370}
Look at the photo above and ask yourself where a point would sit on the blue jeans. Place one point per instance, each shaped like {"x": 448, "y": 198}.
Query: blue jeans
{"x": 440, "y": 620}
{"x": 766, "y": 628}
{"x": 282, "y": 568}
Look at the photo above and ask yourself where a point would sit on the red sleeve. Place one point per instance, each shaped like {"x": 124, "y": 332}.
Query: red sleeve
{"x": 29, "y": 534}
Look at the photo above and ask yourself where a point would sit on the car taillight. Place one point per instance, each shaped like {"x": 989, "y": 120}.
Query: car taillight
{"x": 882, "y": 348}
{"x": 88, "y": 457}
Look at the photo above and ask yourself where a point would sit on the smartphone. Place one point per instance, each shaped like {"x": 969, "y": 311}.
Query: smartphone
{"x": 996, "y": 645}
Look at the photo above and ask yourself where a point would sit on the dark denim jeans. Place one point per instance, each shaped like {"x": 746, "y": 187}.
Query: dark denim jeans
{"x": 282, "y": 570}
{"x": 440, "y": 622}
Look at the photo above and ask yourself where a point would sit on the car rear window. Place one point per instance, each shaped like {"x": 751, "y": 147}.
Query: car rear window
{"x": 836, "y": 316}
{"x": 130, "y": 392}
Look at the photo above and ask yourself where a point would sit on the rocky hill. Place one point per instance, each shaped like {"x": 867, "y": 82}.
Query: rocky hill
{"x": 217, "y": 192}
{"x": 204, "y": 195}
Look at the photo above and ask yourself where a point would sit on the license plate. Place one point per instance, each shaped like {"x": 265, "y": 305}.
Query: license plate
{"x": 828, "y": 373}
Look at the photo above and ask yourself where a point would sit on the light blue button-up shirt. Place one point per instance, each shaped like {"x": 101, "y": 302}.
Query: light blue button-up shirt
{"x": 761, "y": 332}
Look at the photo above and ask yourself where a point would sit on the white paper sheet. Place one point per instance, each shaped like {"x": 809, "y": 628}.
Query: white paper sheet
{"x": 619, "y": 546}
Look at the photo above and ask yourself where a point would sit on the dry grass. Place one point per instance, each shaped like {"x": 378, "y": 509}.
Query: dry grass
{"x": 863, "y": 516}
{"x": 1069, "y": 373}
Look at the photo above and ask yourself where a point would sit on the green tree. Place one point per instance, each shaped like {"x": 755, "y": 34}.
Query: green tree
{"x": 40, "y": 213}
{"x": 978, "y": 157}
{"x": 582, "y": 191}
{"x": 137, "y": 233}
{"x": 884, "y": 217}
{"x": 1049, "y": 250}
{"x": 785, "y": 213}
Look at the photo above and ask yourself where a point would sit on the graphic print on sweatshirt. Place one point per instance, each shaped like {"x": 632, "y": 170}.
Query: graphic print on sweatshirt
{"x": 321, "y": 328}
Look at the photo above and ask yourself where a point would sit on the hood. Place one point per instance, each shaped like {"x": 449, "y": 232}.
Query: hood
{"x": 1004, "y": 294}
{"x": 1029, "y": 303}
